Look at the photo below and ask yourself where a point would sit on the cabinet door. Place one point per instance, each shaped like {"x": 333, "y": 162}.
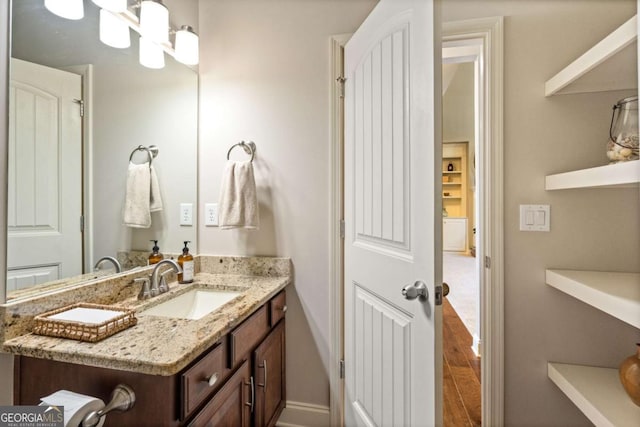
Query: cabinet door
{"x": 269, "y": 374}
{"x": 231, "y": 406}
{"x": 454, "y": 234}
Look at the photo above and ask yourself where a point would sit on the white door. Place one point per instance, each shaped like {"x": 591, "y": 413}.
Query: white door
{"x": 393, "y": 355}
{"x": 44, "y": 239}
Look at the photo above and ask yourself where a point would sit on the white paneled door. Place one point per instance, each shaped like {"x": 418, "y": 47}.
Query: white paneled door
{"x": 393, "y": 355}
{"x": 44, "y": 239}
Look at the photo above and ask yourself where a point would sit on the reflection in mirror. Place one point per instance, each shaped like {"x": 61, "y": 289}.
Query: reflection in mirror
{"x": 78, "y": 110}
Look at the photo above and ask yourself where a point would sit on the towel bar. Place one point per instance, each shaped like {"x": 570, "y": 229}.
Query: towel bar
{"x": 152, "y": 152}
{"x": 248, "y": 147}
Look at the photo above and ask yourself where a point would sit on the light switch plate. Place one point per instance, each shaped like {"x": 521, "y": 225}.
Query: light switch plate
{"x": 186, "y": 213}
{"x": 211, "y": 214}
{"x": 535, "y": 217}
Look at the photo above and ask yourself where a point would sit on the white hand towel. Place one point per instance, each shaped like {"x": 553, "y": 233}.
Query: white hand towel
{"x": 136, "y": 205}
{"x": 156, "y": 199}
{"x": 238, "y": 206}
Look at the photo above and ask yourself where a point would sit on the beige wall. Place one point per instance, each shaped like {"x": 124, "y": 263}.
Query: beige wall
{"x": 265, "y": 76}
{"x": 149, "y": 107}
{"x": 457, "y": 106}
{"x": 590, "y": 229}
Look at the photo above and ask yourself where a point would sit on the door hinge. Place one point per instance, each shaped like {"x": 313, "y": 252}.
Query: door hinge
{"x": 439, "y": 295}
{"x": 342, "y": 229}
{"x": 80, "y": 102}
{"x": 341, "y": 80}
{"x": 82, "y": 223}
{"x": 341, "y": 364}
{"x": 487, "y": 262}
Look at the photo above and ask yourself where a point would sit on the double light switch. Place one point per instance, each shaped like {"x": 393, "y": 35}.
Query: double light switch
{"x": 535, "y": 217}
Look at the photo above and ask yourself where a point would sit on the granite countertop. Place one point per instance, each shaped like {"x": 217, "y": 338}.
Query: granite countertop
{"x": 160, "y": 345}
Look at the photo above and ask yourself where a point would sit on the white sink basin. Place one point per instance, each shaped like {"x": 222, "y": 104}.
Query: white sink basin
{"x": 192, "y": 305}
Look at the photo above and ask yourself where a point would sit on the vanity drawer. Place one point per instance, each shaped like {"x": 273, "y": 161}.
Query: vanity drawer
{"x": 248, "y": 335}
{"x": 278, "y": 308}
{"x": 195, "y": 381}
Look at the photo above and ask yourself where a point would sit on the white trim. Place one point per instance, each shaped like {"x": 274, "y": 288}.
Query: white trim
{"x": 490, "y": 204}
{"x": 299, "y": 414}
{"x": 5, "y": 49}
{"x": 86, "y": 71}
{"x": 336, "y": 384}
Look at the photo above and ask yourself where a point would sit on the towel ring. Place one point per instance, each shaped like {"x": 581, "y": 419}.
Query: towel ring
{"x": 152, "y": 152}
{"x": 248, "y": 147}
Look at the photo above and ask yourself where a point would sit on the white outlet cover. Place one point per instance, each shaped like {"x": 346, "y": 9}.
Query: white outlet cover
{"x": 211, "y": 214}
{"x": 186, "y": 214}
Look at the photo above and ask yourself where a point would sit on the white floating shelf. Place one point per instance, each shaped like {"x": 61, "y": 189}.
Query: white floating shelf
{"x": 619, "y": 175}
{"x": 611, "y": 64}
{"x": 597, "y": 392}
{"x": 617, "y": 294}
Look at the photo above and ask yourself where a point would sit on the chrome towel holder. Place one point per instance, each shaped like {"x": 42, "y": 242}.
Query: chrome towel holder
{"x": 152, "y": 152}
{"x": 248, "y": 147}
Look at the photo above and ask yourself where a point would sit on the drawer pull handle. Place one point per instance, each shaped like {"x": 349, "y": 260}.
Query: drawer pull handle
{"x": 212, "y": 379}
{"x": 264, "y": 366}
{"x": 253, "y": 392}
{"x": 284, "y": 309}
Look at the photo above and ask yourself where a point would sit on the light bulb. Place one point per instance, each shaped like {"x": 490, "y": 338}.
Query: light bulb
{"x": 187, "y": 46}
{"x": 151, "y": 54}
{"x": 154, "y": 21}
{"x": 69, "y": 9}
{"x": 113, "y": 31}
{"x": 117, "y": 6}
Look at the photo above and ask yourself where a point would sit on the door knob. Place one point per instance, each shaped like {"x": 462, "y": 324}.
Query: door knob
{"x": 418, "y": 289}
{"x": 445, "y": 289}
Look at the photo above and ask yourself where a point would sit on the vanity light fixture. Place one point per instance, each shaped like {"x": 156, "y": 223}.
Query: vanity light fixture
{"x": 69, "y": 9}
{"x": 151, "y": 54}
{"x": 154, "y": 21}
{"x": 187, "y": 46}
{"x": 116, "y": 17}
{"x": 113, "y": 31}
{"x": 117, "y": 6}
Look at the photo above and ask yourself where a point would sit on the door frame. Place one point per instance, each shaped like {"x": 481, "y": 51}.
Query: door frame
{"x": 490, "y": 31}
{"x": 86, "y": 71}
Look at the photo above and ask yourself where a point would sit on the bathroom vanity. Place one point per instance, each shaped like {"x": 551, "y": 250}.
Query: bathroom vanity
{"x": 226, "y": 368}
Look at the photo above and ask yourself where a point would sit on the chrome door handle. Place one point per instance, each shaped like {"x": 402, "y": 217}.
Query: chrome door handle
{"x": 418, "y": 289}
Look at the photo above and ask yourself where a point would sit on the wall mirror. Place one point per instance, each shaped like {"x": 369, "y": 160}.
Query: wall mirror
{"x": 78, "y": 109}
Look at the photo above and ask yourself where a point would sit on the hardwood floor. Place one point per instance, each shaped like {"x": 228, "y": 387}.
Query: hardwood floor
{"x": 461, "y": 373}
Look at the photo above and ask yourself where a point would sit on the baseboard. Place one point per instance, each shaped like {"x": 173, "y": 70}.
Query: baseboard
{"x": 299, "y": 414}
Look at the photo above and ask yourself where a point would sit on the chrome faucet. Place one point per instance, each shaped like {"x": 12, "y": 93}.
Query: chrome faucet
{"x": 158, "y": 282}
{"x": 111, "y": 259}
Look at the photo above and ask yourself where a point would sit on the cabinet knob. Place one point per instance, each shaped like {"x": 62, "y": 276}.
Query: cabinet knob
{"x": 212, "y": 379}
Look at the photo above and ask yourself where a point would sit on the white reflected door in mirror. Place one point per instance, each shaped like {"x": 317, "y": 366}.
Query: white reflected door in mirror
{"x": 45, "y": 175}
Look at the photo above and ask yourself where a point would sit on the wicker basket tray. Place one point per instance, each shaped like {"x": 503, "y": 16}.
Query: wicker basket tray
{"x": 62, "y": 323}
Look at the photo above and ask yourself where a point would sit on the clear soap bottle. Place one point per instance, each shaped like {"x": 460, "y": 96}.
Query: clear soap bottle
{"x": 185, "y": 261}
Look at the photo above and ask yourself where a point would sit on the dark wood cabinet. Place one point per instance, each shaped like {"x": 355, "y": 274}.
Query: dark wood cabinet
{"x": 238, "y": 382}
{"x": 231, "y": 406}
{"x": 270, "y": 380}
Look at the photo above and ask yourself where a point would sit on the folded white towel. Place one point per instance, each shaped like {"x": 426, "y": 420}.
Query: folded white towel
{"x": 238, "y": 207}
{"x": 138, "y": 195}
{"x": 156, "y": 199}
